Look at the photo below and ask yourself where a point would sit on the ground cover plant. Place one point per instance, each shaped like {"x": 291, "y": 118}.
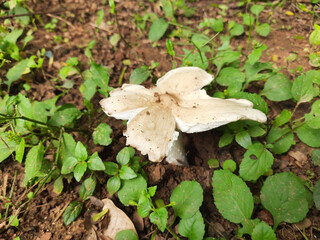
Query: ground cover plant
{"x": 60, "y": 155}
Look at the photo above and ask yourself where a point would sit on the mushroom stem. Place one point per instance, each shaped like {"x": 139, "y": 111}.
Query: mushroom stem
{"x": 177, "y": 153}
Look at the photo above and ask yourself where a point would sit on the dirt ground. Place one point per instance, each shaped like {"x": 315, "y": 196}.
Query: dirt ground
{"x": 77, "y": 22}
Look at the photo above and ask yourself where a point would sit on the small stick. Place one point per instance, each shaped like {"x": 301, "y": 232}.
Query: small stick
{"x": 29, "y": 14}
{"x": 61, "y": 212}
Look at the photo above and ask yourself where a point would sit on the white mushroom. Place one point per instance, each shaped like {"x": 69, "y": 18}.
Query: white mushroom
{"x": 178, "y": 102}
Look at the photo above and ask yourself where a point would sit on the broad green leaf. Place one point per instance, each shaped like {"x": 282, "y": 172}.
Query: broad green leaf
{"x": 158, "y": 29}
{"x": 188, "y": 197}
{"x": 281, "y": 139}
{"x": 256, "y": 161}
{"x": 58, "y": 185}
{"x": 256, "y": 131}
{"x": 247, "y": 19}
{"x": 285, "y": 197}
{"x": 95, "y": 163}
{"x": 72, "y": 212}
{"x": 263, "y": 29}
{"x": 225, "y": 139}
{"x": 68, "y": 146}
{"x": 144, "y": 205}
{"x": 68, "y": 165}
{"x": 87, "y": 188}
{"x": 217, "y": 25}
{"x": 314, "y": 37}
{"x": 193, "y": 227}
{"x": 5, "y": 152}
{"x": 225, "y": 57}
{"x": 230, "y": 76}
{"x": 282, "y": 118}
{"x": 315, "y": 156}
{"x": 309, "y": 135}
{"x": 167, "y": 8}
{"x": 127, "y": 173}
{"x": 256, "y": 9}
{"x": 277, "y": 88}
{"x": 111, "y": 168}
{"x": 33, "y": 162}
{"x": 160, "y": 218}
{"x": 255, "y": 55}
{"x": 81, "y": 152}
{"x": 113, "y": 184}
{"x": 127, "y": 234}
{"x": 16, "y": 71}
{"x": 13, "y": 36}
{"x": 243, "y": 139}
{"x": 139, "y": 75}
{"x": 237, "y": 30}
{"x": 200, "y": 40}
{"x": 123, "y": 157}
{"x": 101, "y": 135}
{"x": 313, "y": 118}
{"x": 258, "y": 102}
{"x": 66, "y": 71}
{"x": 14, "y": 221}
{"x": 302, "y": 89}
{"x": 79, "y": 170}
{"x": 258, "y": 71}
{"x": 263, "y": 231}
{"x": 131, "y": 189}
{"x": 316, "y": 195}
{"x": 100, "y": 76}
{"x": 232, "y": 197}
{"x": 248, "y": 226}
{"x": 196, "y": 59}
{"x": 20, "y": 150}
{"x": 89, "y": 87}
{"x": 64, "y": 115}
{"x": 229, "y": 165}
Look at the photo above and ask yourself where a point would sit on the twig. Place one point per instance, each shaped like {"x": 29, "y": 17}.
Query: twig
{"x": 61, "y": 212}
{"x": 11, "y": 193}
{"x": 61, "y": 19}
{"x": 30, "y": 14}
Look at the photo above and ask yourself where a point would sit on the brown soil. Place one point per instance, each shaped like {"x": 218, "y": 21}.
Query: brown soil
{"x": 41, "y": 219}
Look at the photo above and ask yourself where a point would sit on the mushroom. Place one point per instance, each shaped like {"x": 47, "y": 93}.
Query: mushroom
{"x": 177, "y": 103}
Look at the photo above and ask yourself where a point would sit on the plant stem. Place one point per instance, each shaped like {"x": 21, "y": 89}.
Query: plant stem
{"x": 11, "y": 192}
{"x": 172, "y": 233}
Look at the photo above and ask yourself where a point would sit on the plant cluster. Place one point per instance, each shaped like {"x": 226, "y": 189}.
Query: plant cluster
{"x": 39, "y": 134}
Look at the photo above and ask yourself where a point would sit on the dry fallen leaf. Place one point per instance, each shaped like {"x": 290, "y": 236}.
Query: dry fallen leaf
{"x": 118, "y": 220}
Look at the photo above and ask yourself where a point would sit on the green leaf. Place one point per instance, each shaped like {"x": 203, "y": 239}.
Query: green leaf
{"x": 111, "y": 168}
{"x": 72, "y": 212}
{"x": 65, "y": 114}
{"x": 313, "y": 118}
{"x": 58, "y": 185}
{"x": 131, "y": 189}
{"x": 263, "y": 231}
{"x": 167, "y": 8}
{"x": 123, "y": 157}
{"x": 66, "y": 71}
{"x": 229, "y": 165}
{"x": 281, "y": 139}
{"x": 13, "y": 36}
{"x": 87, "y": 188}
{"x": 68, "y": 146}
{"x": 188, "y": 197}
{"x": 113, "y": 184}
{"x": 20, "y": 150}
{"x": 263, "y": 29}
{"x": 217, "y": 25}
{"x": 225, "y": 139}
{"x": 100, "y": 16}
{"x": 247, "y": 19}
{"x": 196, "y": 59}
{"x": 33, "y": 162}
{"x": 314, "y": 37}
{"x": 144, "y": 205}
{"x": 256, "y": 9}
{"x": 158, "y": 29}
{"x": 237, "y": 30}
{"x": 192, "y": 228}
{"x": 89, "y": 87}
{"x": 95, "y": 163}
{"x": 200, "y": 40}
{"x": 139, "y": 75}
{"x": 302, "y": 89}
{"x": 278, "y": 88}
{"x": 243, "y": 139}
{"x": 127, "y": 234}
{"x": 100, "y": 76}
{"x": 127, "y": 173}
{"x": 256, "y": 161}
{"x": 160, "y": 218}
{"x": 81, "y": 152}
{"x": 5, "y": 152}
{"x": 316, "y": 195}
{"x": 256, "y": 131}
{"x": 255, "y": 55}
{"x": 232, "y": 197}
{"x": 258, "y": 71}
{"x": 79, "y": 170}
{"x": 315, "y": 156}
{"x": 309, "y": 135}
{"x": 230, "y": 76}
{"x": 285, "y": 197}
{"x": 16, "y": 71}
{"x": 14, "y": 221}
{"x": 224, "y": 57}
{"x": 68, "y": 165}
{"x": 258, "y": 102}
{"x": 282, "y": 118}
{"x": 248, "y": 226}
{"x": 101, "y": 135}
